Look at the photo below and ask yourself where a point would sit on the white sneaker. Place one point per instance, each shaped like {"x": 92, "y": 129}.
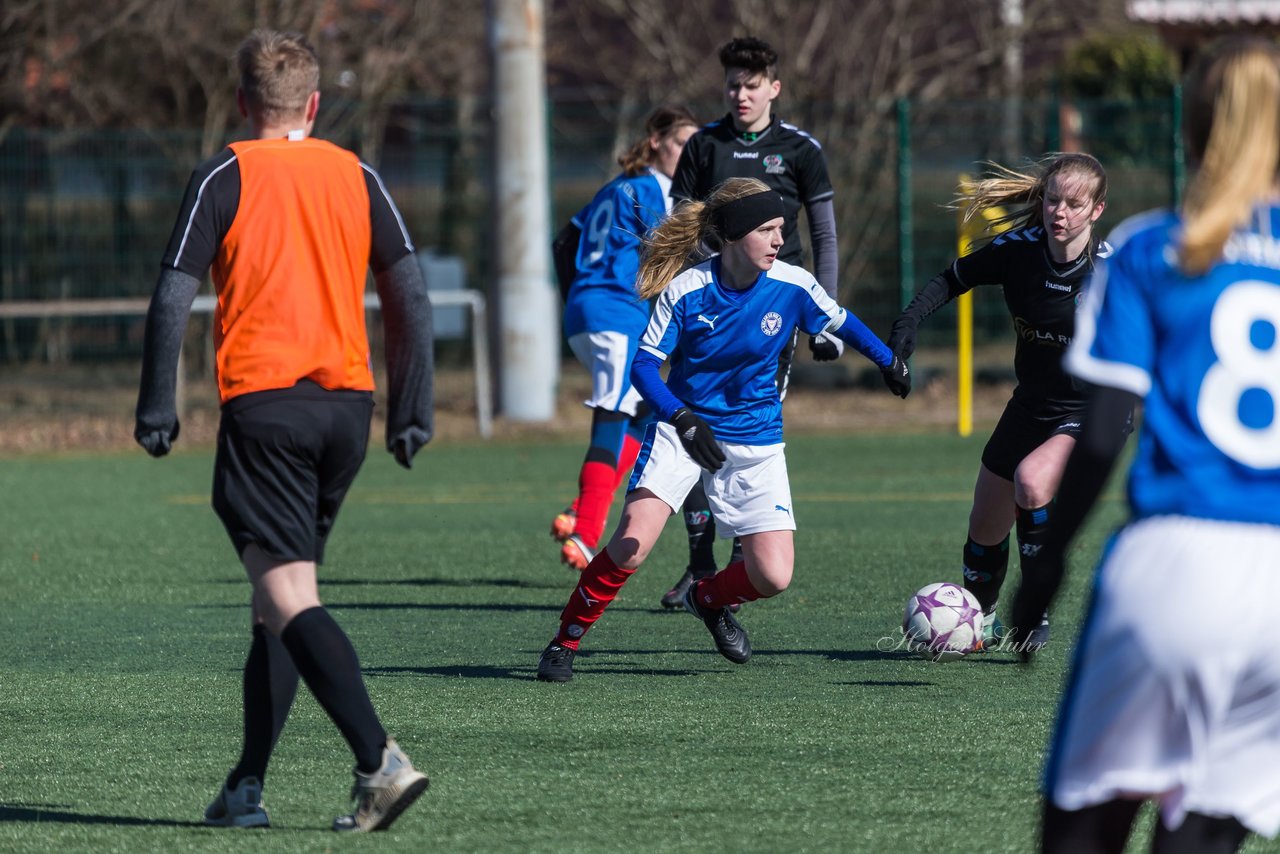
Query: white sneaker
{"x": 238, "y": 807}
{"x": 381, "y": 796}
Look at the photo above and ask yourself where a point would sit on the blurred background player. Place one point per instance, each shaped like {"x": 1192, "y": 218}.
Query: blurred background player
{"x": 604, "y": 318}
{"x": 751, "y": 142}
{"x": 1175, "y": 694}
{"x": 290, "y": 225}
{"x": 723, "y": 324}
{"x": 1042, "y": 263}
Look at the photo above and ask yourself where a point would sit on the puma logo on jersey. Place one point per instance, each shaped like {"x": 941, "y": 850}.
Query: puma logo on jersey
{"x": 710, "y": 321}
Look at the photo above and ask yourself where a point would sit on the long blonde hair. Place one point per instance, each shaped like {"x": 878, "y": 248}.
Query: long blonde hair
{"x": 1021, "y": 192}
{"x": 668, "y": 247}
{"x": 1233, "y": 128}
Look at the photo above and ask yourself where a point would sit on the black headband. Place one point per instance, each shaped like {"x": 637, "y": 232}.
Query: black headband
{"x": 735, "y": 220}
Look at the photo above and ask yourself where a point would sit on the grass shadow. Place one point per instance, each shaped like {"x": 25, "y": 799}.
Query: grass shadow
{"x": 516, "y": 583}
{"x": 522, "y": 672}
{"x": 41, "y": 813}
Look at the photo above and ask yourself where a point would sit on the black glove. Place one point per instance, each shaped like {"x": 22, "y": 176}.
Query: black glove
{"x": 697, "y": 439}
{"x": 825, "y": 347}
{"x": 897, "y": 377}
{"x": 1033, "y": 598}
{"x": 902, "y": 336}
{"x": 156, "y": 441}
{"x": 407, "y": 443}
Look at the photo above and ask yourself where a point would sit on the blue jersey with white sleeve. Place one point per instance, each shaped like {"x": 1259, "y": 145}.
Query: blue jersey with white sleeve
{"x": 724, "y": 344}
{"x": 603, "y": 295}
{"x": 1204, "y": 352}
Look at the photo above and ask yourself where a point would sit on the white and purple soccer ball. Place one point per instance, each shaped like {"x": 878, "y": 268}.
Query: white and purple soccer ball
{"x": 943, "y": 621}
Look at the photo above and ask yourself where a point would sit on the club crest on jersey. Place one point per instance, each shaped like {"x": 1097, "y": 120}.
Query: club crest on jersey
{"x": 771, "y": 323}
{"x": 773, "y": 164}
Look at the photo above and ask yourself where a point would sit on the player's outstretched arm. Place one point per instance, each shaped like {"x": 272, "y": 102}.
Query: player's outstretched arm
{"x": 897, "y": 376}
{"x": 1101, "y": 441}
{"x": 156, "y": 416}
{"x": 406, "y": 320}
{"x": 936, "y": 293}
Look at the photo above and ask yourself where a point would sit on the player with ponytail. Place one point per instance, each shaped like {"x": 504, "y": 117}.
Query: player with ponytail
{"x": 1175, "y": 694}
{"x": 722, "y": 323}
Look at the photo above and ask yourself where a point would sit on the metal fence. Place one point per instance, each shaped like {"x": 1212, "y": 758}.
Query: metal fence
{"x": 87, "y": 214}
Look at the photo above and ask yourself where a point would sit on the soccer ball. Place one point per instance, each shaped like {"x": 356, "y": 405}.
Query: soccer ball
{"x": 943, "y": 622}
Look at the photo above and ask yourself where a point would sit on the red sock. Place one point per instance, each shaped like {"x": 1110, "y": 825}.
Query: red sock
{"x": 724, "y": 588}
{"x": 595, "y": 494}
{"x": 626, "y": 459}
{"x": 597, "y": 586}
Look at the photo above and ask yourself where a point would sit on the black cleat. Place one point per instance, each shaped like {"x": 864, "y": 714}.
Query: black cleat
{"x": 675, "y": 596}
{"x": 556, "y": 664}
{"x": 729, "y": 635}
{"x": 1038, "y": 639}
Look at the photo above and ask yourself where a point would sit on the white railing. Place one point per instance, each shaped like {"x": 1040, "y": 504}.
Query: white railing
{"x": 473, "y": 301}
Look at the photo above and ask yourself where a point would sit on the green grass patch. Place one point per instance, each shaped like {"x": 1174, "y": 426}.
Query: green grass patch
{"x": 126, "y": 621}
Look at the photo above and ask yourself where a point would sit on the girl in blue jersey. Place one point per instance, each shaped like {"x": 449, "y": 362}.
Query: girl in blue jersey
{"x": 722, "y": 324}
{"x": 1175, "y": 690}
{"x": 603, "y": 319}
{"x": 1041, "y": 264}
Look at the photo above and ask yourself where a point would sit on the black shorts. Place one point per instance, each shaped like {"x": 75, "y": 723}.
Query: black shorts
{"x": 285, "y": 461}
{"x": 1020, "y": 431}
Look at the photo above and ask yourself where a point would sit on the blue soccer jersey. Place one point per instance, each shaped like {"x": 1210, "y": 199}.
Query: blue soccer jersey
{"x": 603, "y": 295}
{"x": 1204, "y": 354}
{"x": 724, "y": 344}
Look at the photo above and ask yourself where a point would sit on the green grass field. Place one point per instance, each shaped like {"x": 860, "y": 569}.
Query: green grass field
{"x": 126, "y": 625}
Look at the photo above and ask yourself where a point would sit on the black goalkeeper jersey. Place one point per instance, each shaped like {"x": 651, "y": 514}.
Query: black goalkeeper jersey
{"x": 783, "y": 156}
{"x": 1042, "y": 296}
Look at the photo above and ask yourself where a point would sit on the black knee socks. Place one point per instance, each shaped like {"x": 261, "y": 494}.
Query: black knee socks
{"x": 702, "y": 532}
{"x": 270, "y": 683}
{"x": 736, "y": 554}
{"x": 1200, "y": 834}
{"x": 984, "y": 571}
{"x": 1100, "y": 829}
{"x": 328, "y": 664}
{"x": 1105, "y": 828}
{"x": 1032, "y": 526}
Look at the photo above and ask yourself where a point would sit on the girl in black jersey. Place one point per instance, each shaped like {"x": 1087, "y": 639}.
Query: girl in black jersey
{"x": 1042, "y": 263}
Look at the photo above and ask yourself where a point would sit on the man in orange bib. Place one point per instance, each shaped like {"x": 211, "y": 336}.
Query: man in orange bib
{"x": 289, "y": 225}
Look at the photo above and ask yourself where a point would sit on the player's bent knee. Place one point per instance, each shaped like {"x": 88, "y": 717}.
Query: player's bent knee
{"x": 770, "y": 583}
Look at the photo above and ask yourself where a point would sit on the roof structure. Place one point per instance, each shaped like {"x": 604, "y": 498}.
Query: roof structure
{"x": 1228, "y": 13}
{"x": 1185, "y": 25}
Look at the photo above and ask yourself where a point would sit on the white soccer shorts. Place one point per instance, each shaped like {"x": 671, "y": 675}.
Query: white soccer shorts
{"x": 1175, "y": 689}
{"x": 750, "y": 494}
{"x": 607, "y": 356}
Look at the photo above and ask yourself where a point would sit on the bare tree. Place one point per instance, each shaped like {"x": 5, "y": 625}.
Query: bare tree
{"x": 844, "y": 65}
